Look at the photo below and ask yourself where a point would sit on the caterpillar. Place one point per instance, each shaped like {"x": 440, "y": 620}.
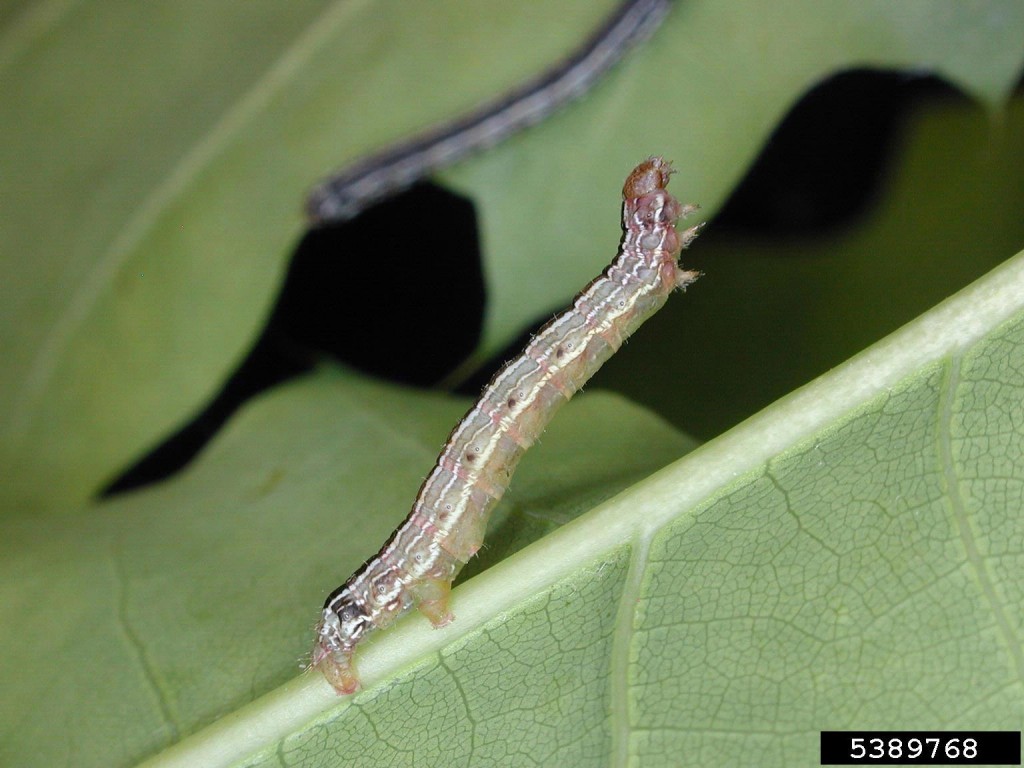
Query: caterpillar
{"x": 354, "y": 188}
{"x": 446, "y": 525}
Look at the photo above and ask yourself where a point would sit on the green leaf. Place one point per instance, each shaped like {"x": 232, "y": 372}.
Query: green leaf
{"x": 162, "y": 610}
{"x": 153, "y": 176}
{"x": 789, "y": 309}
{"x": 704, "y": 95}
{"x": 850, "y": 557}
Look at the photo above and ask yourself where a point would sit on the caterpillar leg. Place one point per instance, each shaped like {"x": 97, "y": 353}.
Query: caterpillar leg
{"x": 340, "y": 673}
{"x": 335, "y": 643}
{"x": 432, "y": 598}
{"x": 339, "y": 669}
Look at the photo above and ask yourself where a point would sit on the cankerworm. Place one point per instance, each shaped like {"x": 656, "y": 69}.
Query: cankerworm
{"x": 371, "y": 178}
{"x": 446, "y": 525}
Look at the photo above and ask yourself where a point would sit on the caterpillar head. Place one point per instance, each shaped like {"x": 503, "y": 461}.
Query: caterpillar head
{"x": 340, "y": 628}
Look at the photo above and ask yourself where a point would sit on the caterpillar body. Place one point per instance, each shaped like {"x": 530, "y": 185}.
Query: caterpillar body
{"x": 446, "y": 525}
{"x": 354, "y": 188}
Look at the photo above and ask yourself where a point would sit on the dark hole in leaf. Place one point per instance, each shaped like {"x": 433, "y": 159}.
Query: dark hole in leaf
{"x": 396, "y": 292}
{"x": 823, "y": 164}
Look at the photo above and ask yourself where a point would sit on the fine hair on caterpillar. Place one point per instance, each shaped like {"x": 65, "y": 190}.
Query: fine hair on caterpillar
{"x": 446, "y": 526}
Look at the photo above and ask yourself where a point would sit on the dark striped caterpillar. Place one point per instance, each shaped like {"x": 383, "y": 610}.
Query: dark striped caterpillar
{"x": 446, "y": 525}
{"x": 398, "y": 166}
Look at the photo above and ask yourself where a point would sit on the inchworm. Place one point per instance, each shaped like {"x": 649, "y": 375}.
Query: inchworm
{"x": 446, "y": 525}
{"x": 353, "y": 189}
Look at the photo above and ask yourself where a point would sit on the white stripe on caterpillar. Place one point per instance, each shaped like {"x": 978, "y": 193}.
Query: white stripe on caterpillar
{"x": 446, "y": 525}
